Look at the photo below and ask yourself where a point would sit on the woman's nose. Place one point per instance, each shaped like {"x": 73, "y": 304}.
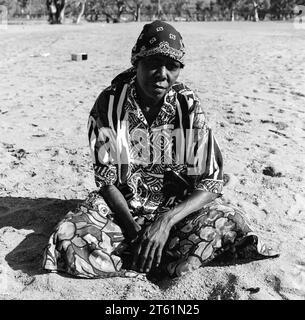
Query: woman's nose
{"x": 162, "y": 72}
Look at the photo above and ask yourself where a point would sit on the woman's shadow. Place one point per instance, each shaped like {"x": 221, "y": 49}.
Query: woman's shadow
{"x": 38, "y": 215}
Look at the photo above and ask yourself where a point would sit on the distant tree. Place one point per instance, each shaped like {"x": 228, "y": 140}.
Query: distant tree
{"x": 165, "y": 9}
{"x": 112, "y": 9}
{"x": 134, "y": 6}
{"x": 263, "y": 9}
{"x": 149, "y": 10}
{"x": 228, "y": 6}
{"x": 76, "y": 7}
{"x": 168, "y": 9}
{"x": 260, "y": 8}
{"x": 92, "y": 12}
{"x": 180, "y": 6}
{"x": 216, "y": 10}
{"x": 11, "y": 5}
{"x": 202, "y": 8}
{"x": 282, "y": 9}
{"x": 246, "y": 8}
{"x": 23, "y": 3}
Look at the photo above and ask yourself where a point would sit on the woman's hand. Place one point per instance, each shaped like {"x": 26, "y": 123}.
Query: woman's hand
{"x": 151, "y": 240}
{"x": 149, "y": 245}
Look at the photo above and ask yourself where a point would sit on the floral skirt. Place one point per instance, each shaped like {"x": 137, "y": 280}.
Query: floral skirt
{"x": 89, "y": 243}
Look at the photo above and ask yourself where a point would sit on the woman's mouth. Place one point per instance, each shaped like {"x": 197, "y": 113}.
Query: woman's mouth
{"x": 158, "y": 88}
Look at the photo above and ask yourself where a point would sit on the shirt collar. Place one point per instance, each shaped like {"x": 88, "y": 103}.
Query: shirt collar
{"x": 168, "y": 107}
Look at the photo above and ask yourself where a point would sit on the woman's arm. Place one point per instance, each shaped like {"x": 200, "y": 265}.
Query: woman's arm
{"x": 192, "y": 203}
{"x": 119, "y": 206}
{"x": 102, "y": 143}
{"x": 151, "y": 242}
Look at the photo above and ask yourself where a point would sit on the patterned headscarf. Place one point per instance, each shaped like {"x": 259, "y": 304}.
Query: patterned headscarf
{"x": 159, "y": 37}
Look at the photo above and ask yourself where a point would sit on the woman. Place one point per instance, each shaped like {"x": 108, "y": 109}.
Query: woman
{"x": 159, "y": 173}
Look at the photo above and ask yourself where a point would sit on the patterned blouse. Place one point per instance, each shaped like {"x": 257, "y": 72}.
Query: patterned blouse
{"x": 134, "y": 156}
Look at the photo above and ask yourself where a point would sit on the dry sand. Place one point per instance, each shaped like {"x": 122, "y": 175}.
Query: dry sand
{"x": 250, "y": 78}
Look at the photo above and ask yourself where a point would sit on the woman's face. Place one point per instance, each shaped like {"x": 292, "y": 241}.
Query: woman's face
{"x": 155, "y": 76}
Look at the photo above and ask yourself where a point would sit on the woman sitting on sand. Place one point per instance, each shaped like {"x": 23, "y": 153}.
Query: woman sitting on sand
{"x": 159, "y": 173}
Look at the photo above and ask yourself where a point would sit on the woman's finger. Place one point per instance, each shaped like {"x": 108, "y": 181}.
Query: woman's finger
{"x": 136, "y": 255}
{"x": 158, "y": 256}
{"x": 150, "y": 258}
{"x": 143, "y": 256}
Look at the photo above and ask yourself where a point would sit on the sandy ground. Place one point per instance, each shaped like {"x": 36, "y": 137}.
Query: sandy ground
{"x": 250, "y": 78}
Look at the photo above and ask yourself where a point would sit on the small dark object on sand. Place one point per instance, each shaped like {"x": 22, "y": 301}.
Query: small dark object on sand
{"x": 253, "y": 290}
{"x": 19, "y": 154}
{"x": 269, "y": 171}
{"x": 79, "y": 56}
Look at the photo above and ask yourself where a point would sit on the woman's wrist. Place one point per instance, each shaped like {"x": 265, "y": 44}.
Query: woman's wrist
{"x": 167, "y": 219}
{"x": 132, "y": 231}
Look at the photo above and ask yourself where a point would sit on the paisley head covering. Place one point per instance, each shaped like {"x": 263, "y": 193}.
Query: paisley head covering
{"x": 159, "y": 37}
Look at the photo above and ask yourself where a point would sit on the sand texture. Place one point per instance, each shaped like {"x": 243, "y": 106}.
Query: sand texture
{"x": 251, "y": 80}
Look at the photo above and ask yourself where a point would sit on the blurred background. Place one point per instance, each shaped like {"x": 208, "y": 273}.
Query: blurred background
{"x": 113, "y": 11}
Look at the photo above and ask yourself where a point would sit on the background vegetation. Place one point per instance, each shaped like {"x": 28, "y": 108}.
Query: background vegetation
{"x": 185, "y": 10}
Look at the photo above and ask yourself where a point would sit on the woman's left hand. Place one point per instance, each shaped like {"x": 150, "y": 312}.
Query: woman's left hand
{"x": 149, "y": 245}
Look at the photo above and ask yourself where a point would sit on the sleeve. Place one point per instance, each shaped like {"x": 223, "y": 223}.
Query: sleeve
{"x": 204, "y": 159}
{"x": 102, "y": 144}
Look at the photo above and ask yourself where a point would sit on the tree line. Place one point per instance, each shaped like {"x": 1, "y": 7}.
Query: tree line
{"x": 146, "y": 10}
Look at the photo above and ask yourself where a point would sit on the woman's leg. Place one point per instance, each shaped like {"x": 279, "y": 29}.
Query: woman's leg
{"x": 85, "y": 242}
{"x": 217, "y": 233}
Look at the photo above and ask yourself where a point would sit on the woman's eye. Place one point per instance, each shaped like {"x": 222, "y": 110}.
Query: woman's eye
{"x": 156, "y": 63}
{"x": 172, "y": 67}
